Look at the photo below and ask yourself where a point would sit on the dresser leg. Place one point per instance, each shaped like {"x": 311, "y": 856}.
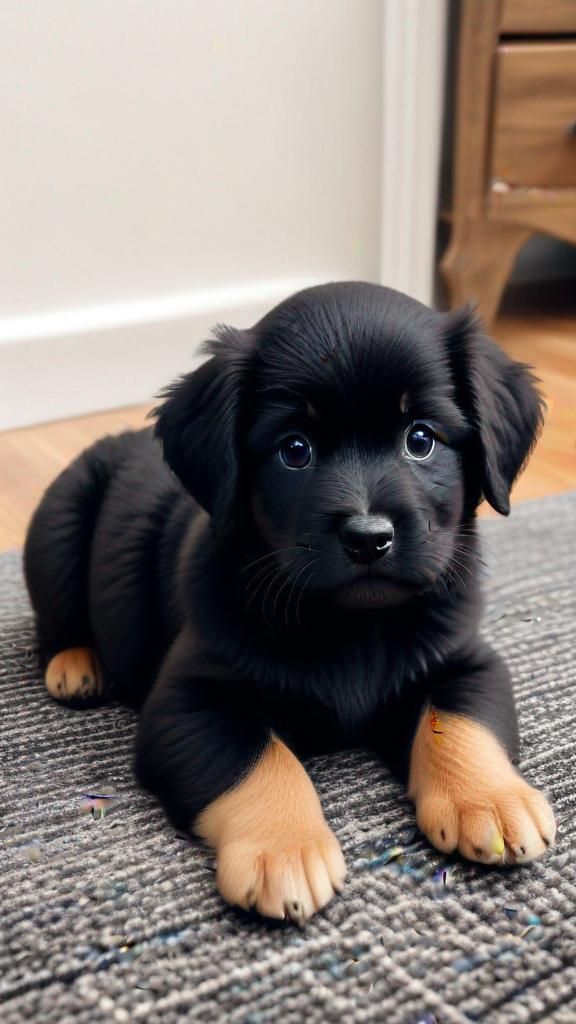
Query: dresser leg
{"x": 478, "y": 261}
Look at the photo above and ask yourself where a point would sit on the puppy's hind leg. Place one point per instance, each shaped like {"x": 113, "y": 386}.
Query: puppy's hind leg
{"x": 56, "y": 563}
{"x": 74, "y": 676}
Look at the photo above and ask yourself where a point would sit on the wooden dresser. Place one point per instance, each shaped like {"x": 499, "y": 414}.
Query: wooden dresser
{"x": 514, "y": 141}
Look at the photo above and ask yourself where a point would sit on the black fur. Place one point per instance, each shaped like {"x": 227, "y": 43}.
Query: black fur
{"x": 221, "y": 592}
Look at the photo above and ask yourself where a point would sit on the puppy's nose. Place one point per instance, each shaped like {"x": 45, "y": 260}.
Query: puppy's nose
{"x": 366, "y": 538}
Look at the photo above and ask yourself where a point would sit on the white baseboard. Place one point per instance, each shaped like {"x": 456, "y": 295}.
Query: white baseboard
{"x": 79, "y": 361}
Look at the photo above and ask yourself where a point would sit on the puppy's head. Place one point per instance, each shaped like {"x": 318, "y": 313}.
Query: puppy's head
{"x": 347, "y": 437}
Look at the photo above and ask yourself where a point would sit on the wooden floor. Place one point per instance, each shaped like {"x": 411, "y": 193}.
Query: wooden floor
{"x": 30, "y": 458}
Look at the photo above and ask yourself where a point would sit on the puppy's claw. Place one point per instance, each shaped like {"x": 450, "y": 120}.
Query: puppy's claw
{"x": 295, "y": 913}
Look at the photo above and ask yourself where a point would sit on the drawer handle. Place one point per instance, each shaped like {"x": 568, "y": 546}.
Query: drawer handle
{"x": 572, "y": 128}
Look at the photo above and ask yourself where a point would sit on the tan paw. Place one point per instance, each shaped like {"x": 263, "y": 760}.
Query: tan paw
{"x": 290, "y": 878}
{"x": 470, "y": 798}
{"x": 74, "y": 675}
{"x": 275, "y": 852}
{"x": 511, "y": 824}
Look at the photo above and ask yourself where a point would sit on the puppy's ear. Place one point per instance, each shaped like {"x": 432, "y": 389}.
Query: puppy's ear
{"x": 198, "y": 423}
{"x": 500, "y": 400}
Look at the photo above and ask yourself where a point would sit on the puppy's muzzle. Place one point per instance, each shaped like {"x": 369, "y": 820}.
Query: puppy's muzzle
{"x": 366, "y": 538}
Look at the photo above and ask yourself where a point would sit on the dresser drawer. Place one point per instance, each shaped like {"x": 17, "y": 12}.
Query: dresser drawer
{"x": 538, "y": 17}
{"x": 534, "y": 138}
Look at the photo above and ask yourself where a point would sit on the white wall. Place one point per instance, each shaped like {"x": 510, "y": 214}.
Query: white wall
{"x": 167, "y": 164}
{"x": 153, "y": 149}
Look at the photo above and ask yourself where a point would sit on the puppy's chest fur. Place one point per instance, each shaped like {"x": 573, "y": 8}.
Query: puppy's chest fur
{"x": 327, "y": 685}
{"x": 319, "y": 704}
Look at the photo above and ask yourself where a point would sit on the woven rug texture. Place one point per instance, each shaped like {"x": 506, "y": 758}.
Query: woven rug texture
{"x": 117, "y": 918}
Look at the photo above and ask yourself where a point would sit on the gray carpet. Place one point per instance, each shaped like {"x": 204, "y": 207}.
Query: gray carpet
{"x": 117, "y": 919}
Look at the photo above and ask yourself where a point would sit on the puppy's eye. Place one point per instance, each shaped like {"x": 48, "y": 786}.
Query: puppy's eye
{"x": 419, "y": 441}
{"x": 295, "y": 452}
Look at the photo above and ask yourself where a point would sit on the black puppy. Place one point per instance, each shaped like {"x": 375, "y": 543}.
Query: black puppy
{"x": 300, "y": 573}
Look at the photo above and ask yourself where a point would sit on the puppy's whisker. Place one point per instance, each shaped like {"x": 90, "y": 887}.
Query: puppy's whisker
{"x": 461, "y": 565}
{"x": 440, "y": 579}
{"x": 443, "y": 573}
{"x": 443, "y": 576}
{"x": 264, "y": 572}
{"x": 252, "y": 596}
{"x": 292, "y": 590}
{"x": 470, "y": 552}
{"x": 270, "y": 554}
{"x": 465, "y": 553}
{"x": 472, "y": 555}
{"x": 275, "y": 579}
{"x": 260, "y": 576}
{"x": 452, "y": 576}
{"x": 291, "y": 576}
{"x": 265, "y": 575}
{"x": 260, "y": 571}
{"x": 462, "y": 560}
{"x": 300, "y": 595}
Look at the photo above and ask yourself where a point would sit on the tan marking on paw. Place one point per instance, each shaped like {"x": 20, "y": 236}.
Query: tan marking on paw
{"x": 74, "y": 675}
{"x": 275, "y": 852}
{"x": 469, "y": 797}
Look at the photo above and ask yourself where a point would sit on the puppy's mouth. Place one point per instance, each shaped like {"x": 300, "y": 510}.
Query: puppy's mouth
{"x": 371, "y": 591}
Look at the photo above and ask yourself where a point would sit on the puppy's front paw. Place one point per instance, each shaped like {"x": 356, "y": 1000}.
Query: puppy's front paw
{"x": 275, "y": 852}
{"x": 282, "y": 876}
{"x": 511, "y": 824}
{"x": 469, "y": 797}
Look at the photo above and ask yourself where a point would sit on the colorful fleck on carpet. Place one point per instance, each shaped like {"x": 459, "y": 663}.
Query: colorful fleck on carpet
{"x": 107, "y": 915}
